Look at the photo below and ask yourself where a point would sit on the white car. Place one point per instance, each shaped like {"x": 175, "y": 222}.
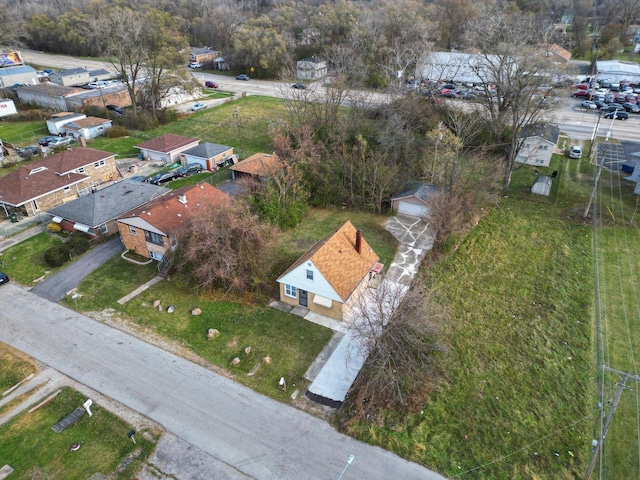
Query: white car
{"x": 198, "y": 106}
{"x": 575, "y": 152}
{"x": 196, "y": 65}
{"x": 588, "y": 104}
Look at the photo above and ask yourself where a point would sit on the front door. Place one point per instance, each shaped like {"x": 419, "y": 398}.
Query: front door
{"x": 303, "y": 298}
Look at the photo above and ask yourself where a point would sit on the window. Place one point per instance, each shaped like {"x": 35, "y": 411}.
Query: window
{"x": 309, "y": 274}
{"x": 153, "y": 237}
{"x": 99, "y": 164}
{"x": 543, "y": 147}
{"x": 290, "y": 291}
{"x": 81, "y": 170}
{"x": 132, "y": 230}
{"x": 527, "y": 145}
{"x": 34, "y": 204}
{"x": 103, "y": 228}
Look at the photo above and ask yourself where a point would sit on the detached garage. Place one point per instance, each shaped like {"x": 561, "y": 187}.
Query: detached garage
{"x": 414, "y": 201}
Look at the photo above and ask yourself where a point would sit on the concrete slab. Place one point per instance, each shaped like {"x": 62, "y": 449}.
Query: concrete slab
{"x": 327, "y": 322}
{"x": 5, "y": 471}
{"x": 140, "y": 289}
{"x": 321, "y": 359}
{"x": 281, "y": 306}
{"x": 300, "y": 310}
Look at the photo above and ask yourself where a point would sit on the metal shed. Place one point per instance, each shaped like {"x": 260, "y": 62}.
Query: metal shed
{"x": 542, "y": 185}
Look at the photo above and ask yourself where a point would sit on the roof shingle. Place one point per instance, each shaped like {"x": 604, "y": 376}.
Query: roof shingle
{"x": 166, "y": 143}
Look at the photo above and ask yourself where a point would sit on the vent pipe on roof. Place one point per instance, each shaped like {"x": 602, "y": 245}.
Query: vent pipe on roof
{"x": 359, "y": 241}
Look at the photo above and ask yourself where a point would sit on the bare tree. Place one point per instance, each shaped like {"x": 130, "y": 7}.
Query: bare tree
{"x": 398, "y": 329}
{"x": 227, "y": 247}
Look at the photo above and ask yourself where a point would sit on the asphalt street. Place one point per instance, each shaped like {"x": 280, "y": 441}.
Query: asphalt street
{"x": 56, "y": 286}
{"x": 258, "y": 437}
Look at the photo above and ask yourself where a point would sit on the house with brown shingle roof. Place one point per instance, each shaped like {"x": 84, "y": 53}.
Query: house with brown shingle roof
{"x": 166, "y": 148}
{"x": 44, "y": 184}
{"x": 152, "y": 230}
{"x": 332, "y": 275}
{"x": 89, "y": 127}
{"x": 555, "y": 53}
{"x": 258, "y": 165}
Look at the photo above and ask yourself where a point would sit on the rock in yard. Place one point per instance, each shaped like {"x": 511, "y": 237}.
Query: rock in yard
{"x": 235, "y": 361}
{"x": 196, "y": 311}
{"x": 247, "y": 350}
{"x": 171, "y": 309}
{"x": 213, "y": 333}
{"x": 266, "y": 360}
{"x": 156, "y": 303}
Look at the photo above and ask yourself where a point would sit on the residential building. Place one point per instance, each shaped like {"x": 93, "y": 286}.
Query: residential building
{"x": 97, "y": 212}
{"x": 87, "y": 128}
{"x": 311, "y": 68}
{"x": 18, "y": 75}
{"x": 414, "y": 199}
{"x": 204, "y": 55}
{"x": 42, "y": 185}
{"x": 152, "y": 230}
{"x": 537, "y": 144}
{"x": 332, "y": 275}
{"x": 167, "y": 148}
{"x": 210, "y": 155}
{"x": 257, "y": 166}
{"x": 70, "y": 77}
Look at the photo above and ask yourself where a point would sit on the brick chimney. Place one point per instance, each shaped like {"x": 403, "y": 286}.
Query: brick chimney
{"x": 359, "y": 241}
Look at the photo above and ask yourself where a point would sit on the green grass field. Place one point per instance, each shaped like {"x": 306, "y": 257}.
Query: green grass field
{"x": 24, "y": 262}
{"x": 34, "y": 450}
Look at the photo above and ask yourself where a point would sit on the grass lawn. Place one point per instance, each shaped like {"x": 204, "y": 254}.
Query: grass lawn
{"x": 34, "y": 450}
{"x": 516, "y": 402}
{"x": 24, "y": 262}
{"x": 15, "y": 366}
{"x": 23, "y": 133}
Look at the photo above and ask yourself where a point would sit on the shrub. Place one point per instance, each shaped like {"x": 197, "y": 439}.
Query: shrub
{"x": 54, "y": 227}
{"x": 117, "y": 131}
{"x": 57, "y": 255}
{"x": 78, "y": 244}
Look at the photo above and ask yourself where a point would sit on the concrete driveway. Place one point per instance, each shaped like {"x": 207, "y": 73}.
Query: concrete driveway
{"x": 255, "y": 435}
{"x": 56, "y": 286}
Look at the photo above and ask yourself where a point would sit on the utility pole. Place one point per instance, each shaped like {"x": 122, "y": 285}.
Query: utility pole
{"x": 603, "y": 433}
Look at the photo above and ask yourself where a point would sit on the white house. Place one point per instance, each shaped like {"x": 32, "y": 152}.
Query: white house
{"x": 57, "y": 120}
{"x": 537, "y": 144}
{"x": 311, "y": 68}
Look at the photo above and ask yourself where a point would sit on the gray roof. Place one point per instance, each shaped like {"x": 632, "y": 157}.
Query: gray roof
{"x": 6, "y": 71}
{"x": 71, "y": 71}
{"x": 543, "y": 179}
{"x": 548, "y": 132}
{"x": 108, "y": 203}
{"x": 100, "y": 71}
{"x": 207, "y": 150}
{"x": 202, "y": 51}
{"x": 417, "y": 189}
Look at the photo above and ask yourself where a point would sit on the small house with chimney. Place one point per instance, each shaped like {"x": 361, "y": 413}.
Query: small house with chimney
{"x": 332, "y": 275}
{"x": 152, "y": 230}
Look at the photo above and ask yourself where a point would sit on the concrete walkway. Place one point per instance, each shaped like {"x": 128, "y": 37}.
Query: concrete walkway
{"x": 140, "y": 289}
{"x": 332, "y": 383}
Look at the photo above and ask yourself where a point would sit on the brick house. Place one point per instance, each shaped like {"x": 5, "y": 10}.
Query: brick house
{"x": 152, "y": 230}
{"x": 41, "y": 185}
{"x": 166, "y": 148}
{"x": 332, "y": 275}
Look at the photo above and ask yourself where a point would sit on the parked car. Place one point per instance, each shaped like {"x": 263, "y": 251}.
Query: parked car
{"x": 189, "y": 169}
{"x": 631, "y": 107}
{"x": 196, "y": 65}
{"x": 575, "y": 151}
{"x": 580, "y": 93}
{"x": 4, "y": 278}
{"x": 60, "y": 141}
{"x": 300, "y": 86}
{"x": 413, "y": 84}
{"x": 198, "y": 106}
{"x": 114, "y": 108}
{"x": 242, "y": 76}
{"x": 612, "y": 107}
{"x": 138, "y": 178}
{"x": 163, "y": 177}
{"x": 44, "y": 141}
{"x": 29, "y": 151}
{"x": 589, "y": 105}
{"x": 618, "y": 115}
{"x": 449, "y": 93}
{"x": 210, "y": 84}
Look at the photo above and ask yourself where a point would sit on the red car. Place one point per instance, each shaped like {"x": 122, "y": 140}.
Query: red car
{"x": 580, "y": 93}
{"x": 209, "y": 84}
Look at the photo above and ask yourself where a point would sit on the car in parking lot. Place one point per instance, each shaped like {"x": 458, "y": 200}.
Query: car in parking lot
{"x": 589, "y": 105}
{"x": 210, "y": 84}
{"x": 44, "y": 141}
{"x": 242, "y": 76}
{"x": 196, "y": 65}
{"x": 4, "y": 278}
{"x": 575, "y": 151}
{"x": 631, "y": 107}
{"x": 189, "y": 169}
{"x": 163, "y": 177}
{"x": 138, "y": 178}
{"x": 198, "y": 106}
{"x": 618, "y": 115}
{"x": 612, "y": 107}
{"x": 29, "y": 151}
{"x": 300, "y": 86}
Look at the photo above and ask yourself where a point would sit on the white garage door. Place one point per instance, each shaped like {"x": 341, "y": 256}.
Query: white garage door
{"x": 412, "y": 209}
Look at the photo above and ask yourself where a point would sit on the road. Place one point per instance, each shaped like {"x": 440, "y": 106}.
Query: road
{"x": 256, "y": 435}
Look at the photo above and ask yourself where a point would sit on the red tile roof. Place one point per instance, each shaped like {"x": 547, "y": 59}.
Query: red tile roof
{"x": 166, "y": 143}
{"x": 170, "y": 212}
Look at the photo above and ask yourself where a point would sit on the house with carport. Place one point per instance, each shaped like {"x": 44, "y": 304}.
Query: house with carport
{"x": 211, "y": 156}
{"x": 167, "y": 148}
{"x": 97, "y": 212}
{"x": 330, "y": 278}
{"x": 152, "y": 230}
{"x": 39, "y": 186}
